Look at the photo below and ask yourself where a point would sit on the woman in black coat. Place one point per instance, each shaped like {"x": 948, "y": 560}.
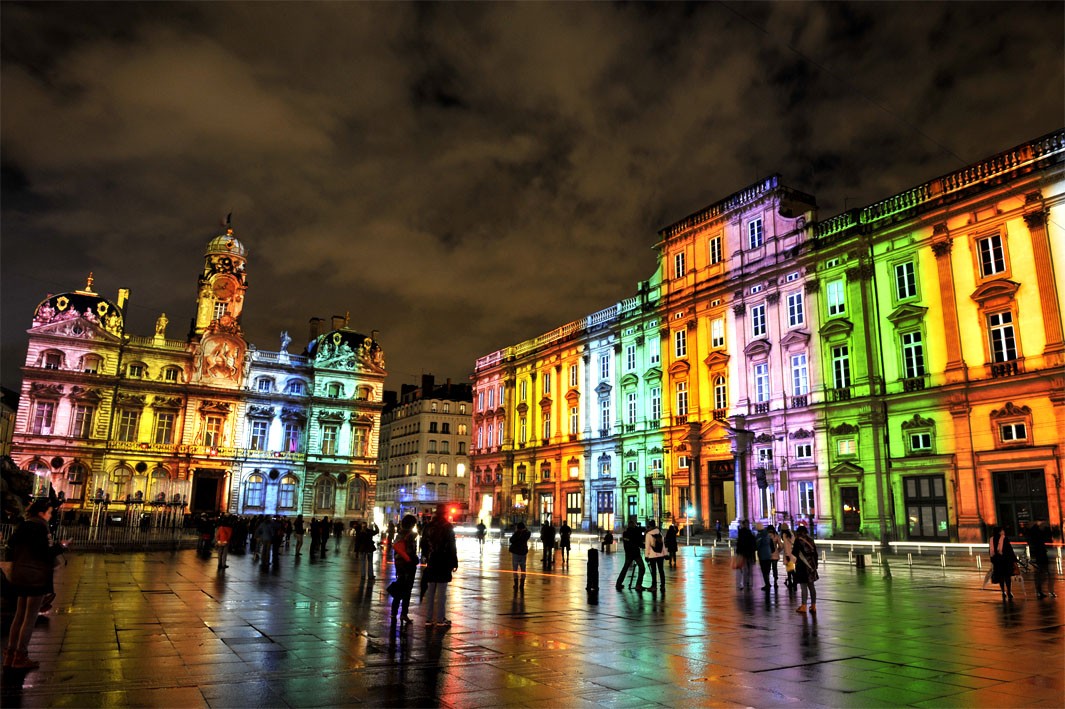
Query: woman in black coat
{"x": 33, "y": 557}
{"x": 1003, "y": 561}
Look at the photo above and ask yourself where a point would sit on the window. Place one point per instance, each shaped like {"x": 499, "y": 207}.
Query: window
{"x": 630, "y": 467}
{"x": 800, "y": 384}
{"x": 334, "y": 390}
{"x": 170, "y": 374}
{"x": 480, "y": 437}
{"x": 717, "y": 333}
{"x": 761, "y": 382}
{"x": 656, "y": 467}
{"x": 499, "y": 436}
{"x": 212, "y": 431}
{"x": 758, "y": 320}
{"x": 324, "y": 493}
{"x": 259, "y": 432}
{"x": 547, "y": 382}
{"x": 296, "y": 387}
{"x": 52, "y": 360}
{"x": 630, "y": 407}
{"x": 90, "y": 364}
{"x": 835, "y": 295}
{"x": 546, "y": 427}
{"x": 330, "y": 433}
{"x": 462, "y": 448}
{"x": 523, "y": 430}
{"x": 81, "y": 421}
{"x": 841, "y": 367}
{"x": 604, "y": 366}
{"x": 604, "y": 416}
{"x": 755, "y": 234}
{"x": 1014, "y": 432}
{"x": 680, "y": 344}
{"x": 921, "y": 442}
{"x": 462, "y": 408}
{"x": 804, "y": 451}
{"x": 293, "y": 434}
{"x": 265, "y": 384}
{"x": 500, "y": 397}
{"x": 164, "y": 428}
{"x": 630, "y": 357}
{"x": 430, "y": 467}
{"x": 682, "y": 398}
{"x": 905, "y": 281}
{"x": 490, "y": 434}
{"x": 255, "y": 491}
{"x": 992, "y": 256}
{"x": 445, "y": 445}
{"x": 926, "y": 507}
{"x": 654, "y": 347}
{"x": 715, "y": 249}
{"x": 912, "y": 355}
{"x": 656, "y": 404}
{"x": 846, "y": 447}
{"x": 523, "y": 390}
{"x": 678, "y": 264}
{"x": 574, "y": 420}
{"x": 219, "y": 309}
{"x": 128, "y": 421}
{"x": 1000, "y": 334}
{"x": 796, "y": 313}
{"x": 720, "y": 393}
{"x": 432, "y": 427}
{"x": 286, "y": 493}
{"x": 604, "y": 466}
{"x": 444, "y": 469}
{"x": 682, "y": 462}
{"x": 573, "y": 375}
{"x": 491, "y": 399}
{"x": 480, "y": 400}
{"x": 768, "y": 499}
{"x": 136, "y": 371}
{"x": 806, "y": 498}
{"x": 574, "y": 470}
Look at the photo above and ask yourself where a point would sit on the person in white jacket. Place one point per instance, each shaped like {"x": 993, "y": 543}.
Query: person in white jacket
{"x": 655, "y": 553}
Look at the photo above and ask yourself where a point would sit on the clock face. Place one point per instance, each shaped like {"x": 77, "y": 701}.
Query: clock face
{"x": 224, "y": 288}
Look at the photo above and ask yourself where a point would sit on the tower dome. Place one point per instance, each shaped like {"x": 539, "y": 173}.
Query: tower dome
{"x": 226, "y": 244}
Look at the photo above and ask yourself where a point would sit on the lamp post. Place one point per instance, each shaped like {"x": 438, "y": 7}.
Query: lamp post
{"x": 688, "y": 525}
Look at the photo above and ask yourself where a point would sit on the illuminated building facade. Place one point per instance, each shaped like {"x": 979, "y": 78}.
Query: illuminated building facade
{"x": 167, "y": 426}
{"x": 778, "y": 367}
{"x": 424, "y": 460}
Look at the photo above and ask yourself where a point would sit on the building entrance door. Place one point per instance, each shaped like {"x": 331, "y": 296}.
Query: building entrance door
{"x": 205, "y": 489}
{"x": 852, "y": 511}
{"x": 1020, "y": 499}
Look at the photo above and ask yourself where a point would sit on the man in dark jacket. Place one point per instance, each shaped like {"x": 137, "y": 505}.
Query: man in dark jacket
{"x": 632, "y": 539}
{"x": 547, "y": 539}
{"x": 745, "y": 549}
{"x": 1038, "y": 535}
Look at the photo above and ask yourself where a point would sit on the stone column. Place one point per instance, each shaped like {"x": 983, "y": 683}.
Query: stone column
{"x": 1054, "y": 352}
{"x": 956, "y": 370}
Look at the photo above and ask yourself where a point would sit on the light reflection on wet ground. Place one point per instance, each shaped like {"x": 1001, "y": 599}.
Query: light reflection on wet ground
{"x": 171, "y": 630}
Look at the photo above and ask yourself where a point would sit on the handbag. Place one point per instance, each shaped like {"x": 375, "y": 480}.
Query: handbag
{"x": 737, "y": 562}
{"x": 790, "y": 566}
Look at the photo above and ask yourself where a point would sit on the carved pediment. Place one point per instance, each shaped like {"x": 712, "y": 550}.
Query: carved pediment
{"x": 167, "y": 402}
{"x": 632, "y": 453}
{"x": 918, "y": 422}
{"x": 802, "y": 433}
{"x": 795, "y": 340}
{"x": 995, "y": 293}
{"x": 361, "y": 419}
{"x": 763, "y": 438}
{"x": 41, "y": 390}
{"x": 545, "y": 403}
{"x": 573, "y": 396}
{"x": 758, "y": 348}
{"x": 843, "y": 429}
{"x": 1009, "y": 410}
{"x": 260, "y": 411}
{"x": 291, "y": 414}
{"x": 77, "y": 328}
{"x": 131, "y": 400}
{"x": 522, "y": 408}
{"x": 629, "y": 380}
{"x": 718, "y": 359}
{"x": 630, "y": 481}
{"x": 680, "y": 369}
{"x": 653, "y": 374}
{"x": 214, "y": 407}
{"x": 837, "y": 329}
{"x": 846, "y": 469}
{"x": 86, "y": 393}
{"x": 331, "y": 416}
{"x": 603, "y": 389}
{"x": 907, "y": 316}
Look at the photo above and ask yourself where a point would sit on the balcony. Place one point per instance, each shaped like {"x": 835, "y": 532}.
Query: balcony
{"x": 841, "y": 394}
{"x": 653, "y": 425}
{"x": 913, "y": 383}
{"x": 800, "y": 401}
{"x": 721, "y": 414}
{"x": 1010, "y": 368}
{"x": 680, "y": 420}
{"x": 630, "y": 428}
{"x": 761, "y": 407}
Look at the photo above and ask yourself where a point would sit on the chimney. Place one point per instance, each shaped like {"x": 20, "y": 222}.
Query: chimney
{"x": 338, "y": 322}
{"x": 316, "y": 328}
{"x": 123, "y": 297}
{"x": 427, "y": 385}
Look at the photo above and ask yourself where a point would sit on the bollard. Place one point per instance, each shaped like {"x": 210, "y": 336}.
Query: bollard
{"x": 979, "y": 563}
{"x": 909, "y": 559}
{"x": 824, "y": 557}
{"x": 859, "y": 561}
{"x": 879, "y": 560}
{"x": 943, "y": 559}
{"x": 850, "y": 556}
{"x": 593, "y": 577}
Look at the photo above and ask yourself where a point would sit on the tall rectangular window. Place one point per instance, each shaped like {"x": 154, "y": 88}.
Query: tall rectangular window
{"x": 720, "y": 393}
{"x": 81, "y": 422}
{"x": 43, "y": 417}
{"x": 480, "y": 437}
{"x": 604, "y": 415}
{"x": 796, "y": 312}
{"x": 574, "y": 420}
{"x": 630, "y": 357}
{"x": 630, "y": 407}
{"x": 717, "y": 333}
{"x": 806, "y": 498}
{"x": 758, "y": 320}
{"x": 755, "y": 234}
{"x": 212, "y": 431}
{"x": 164, "y": 428}
{"x": 523, "y": 430}
{"x": 546, "y": 420}
{"x": 912, "y": 355}
{"x": 841, "y": 367}
{"x": 656, "y": 404}
{"x": 359, "y": 436}
{"x": 523, "y": 390}
{"x": 992, "y": 257}
{"x": 800, "y": 380}
{"x": 491, "y": 399}
{"x": 715, "y": 250}
{"x": 682, "y": 398}
{"x": 1000, "y": 332}
{"x": 329, "y": 439}
{"x": 836, "y": 297}
{"x": 678, "y": 264}
{"x": 573, "y": 375}
{"x": 905, "y": 281}
{"x": 293, "y": 437}
{"x": 680, "y": 344}
{"x": 604, "y": 366}
{"x": 259, "y": 432}
{"x": 761, "y": 382}
{"x": 547, "y": 381}
{"x": 654, "y": 349}
{"x": 128, "y": 421}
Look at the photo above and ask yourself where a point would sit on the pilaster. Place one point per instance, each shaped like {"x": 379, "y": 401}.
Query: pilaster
{"x": 942, "y": 244}
{"x": 1035, "y": 218}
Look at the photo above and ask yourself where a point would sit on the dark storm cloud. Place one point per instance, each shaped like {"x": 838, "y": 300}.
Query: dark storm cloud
{"x": 465, "y": 176}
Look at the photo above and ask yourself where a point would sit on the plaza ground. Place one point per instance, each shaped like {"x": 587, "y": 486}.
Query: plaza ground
{"x": 169, "y": 630}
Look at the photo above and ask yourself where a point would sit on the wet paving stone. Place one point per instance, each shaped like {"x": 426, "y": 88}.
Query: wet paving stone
{"x": 166, "y": 629}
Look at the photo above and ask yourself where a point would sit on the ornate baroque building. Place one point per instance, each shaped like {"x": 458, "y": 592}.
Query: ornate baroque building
{"x": 166, "y": 426}
{"x": 894, "y": 372}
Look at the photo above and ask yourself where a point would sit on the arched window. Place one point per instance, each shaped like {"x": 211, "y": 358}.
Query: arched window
{"x": 720, "y": 393}
{"x": 255, "y": 491}
{"x": 171, "y": 374}
{"x": 91, "y": 363}
{"x": 357, "y": 495}
{"x": 324, "y": 493}
{"x": 286, "y": 493}
{"x": 120, "y": 483}
{"x": 73, "y": 485}
{"x": 334, "y": 390}
{"x": 42, "y": 475}
{"x": 158, "y": 485}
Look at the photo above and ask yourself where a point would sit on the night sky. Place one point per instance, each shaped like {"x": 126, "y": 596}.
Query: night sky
{"x": 462, "y": 177}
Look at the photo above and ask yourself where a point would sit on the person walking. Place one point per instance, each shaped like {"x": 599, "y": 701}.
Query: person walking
{"x": 443, "y": 562}
{"x": 655, "y": 553}
{"x": 671, "y": 545}
{"x": 299, "y": 529}
{"x": 547, "y": 541}
{"x": 367, "y": 546}
{"x": 405, "y": 555}
{"x": 324, "y": 538}
{"x": 264, "y": 534}
{"x": 632, "y": 540}
{"x": 316, "y": 536}
{"x": 1039, "y": 535}
{"x": 338, "y": 534}
{"x": 764, "y": 549}
{"x": 746, "y": 549}
{"x": 787, "y": 540}
{"x": 482, "y": 532}
{"x": 805, "y": 568}
{"x": 1003, "y": 562}
{"x": 519, "y": 552}
{"x": 564, "y": 534}
{"x": 222, "y": 537}
{"x": 33, "y": 557}
{"x": 717, "y": 530}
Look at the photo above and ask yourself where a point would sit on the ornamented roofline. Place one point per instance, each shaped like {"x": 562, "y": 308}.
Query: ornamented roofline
{"x": 734, "y": 201}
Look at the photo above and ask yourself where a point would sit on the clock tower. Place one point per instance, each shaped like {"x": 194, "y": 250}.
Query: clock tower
{"x": 220, "y": 295}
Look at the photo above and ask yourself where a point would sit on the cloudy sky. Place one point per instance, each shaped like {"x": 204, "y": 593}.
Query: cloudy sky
{"x": 462, "y": 177}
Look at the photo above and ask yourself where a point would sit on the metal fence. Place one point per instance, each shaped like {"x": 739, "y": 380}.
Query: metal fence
{"x": 108, "y": 538}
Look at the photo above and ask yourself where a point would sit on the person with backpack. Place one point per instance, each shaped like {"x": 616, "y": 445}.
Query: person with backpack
{"x": 805, "y": 551}
{"x": 655, "y": 553}
{"x": 405, "y": 555}
{"x": 519, "y": 551}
